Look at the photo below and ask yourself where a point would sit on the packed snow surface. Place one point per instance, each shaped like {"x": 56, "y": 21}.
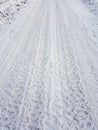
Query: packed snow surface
{"x": 48, "y": 66}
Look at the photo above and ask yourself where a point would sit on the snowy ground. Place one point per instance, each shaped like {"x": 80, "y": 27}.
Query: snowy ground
{"x": 49, "y": 67}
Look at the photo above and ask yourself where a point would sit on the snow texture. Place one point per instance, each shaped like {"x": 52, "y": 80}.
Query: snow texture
{"x": 48, "y": 66}
{"x": 92, "y": 5}
{"x": 8, "y": 8}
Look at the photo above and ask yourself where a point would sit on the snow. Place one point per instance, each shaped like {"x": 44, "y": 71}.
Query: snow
{"x": 92, "y": 5}
{"x": 8, "y": 9}
{"x": 48, "y": 66}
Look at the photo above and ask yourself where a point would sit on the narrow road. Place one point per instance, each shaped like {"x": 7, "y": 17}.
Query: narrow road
{"x": 48, "y": 72}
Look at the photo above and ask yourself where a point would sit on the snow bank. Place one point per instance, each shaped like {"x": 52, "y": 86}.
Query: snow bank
{"x": 8, "y": 8}
{"x": 92, "y": 5}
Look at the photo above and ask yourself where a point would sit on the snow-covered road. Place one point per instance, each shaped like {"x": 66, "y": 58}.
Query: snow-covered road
{"x": 48, "y": 71}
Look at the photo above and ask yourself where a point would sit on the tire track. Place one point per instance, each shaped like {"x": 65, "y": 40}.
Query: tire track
{"x": 86, "y": 61}
{"x": 77, "y": 106}
{"x": 16, "y": 77}
{"x": 33, "y": 102}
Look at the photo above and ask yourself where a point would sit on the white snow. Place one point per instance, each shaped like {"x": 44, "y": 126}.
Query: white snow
{"x": 48, "y": 65}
